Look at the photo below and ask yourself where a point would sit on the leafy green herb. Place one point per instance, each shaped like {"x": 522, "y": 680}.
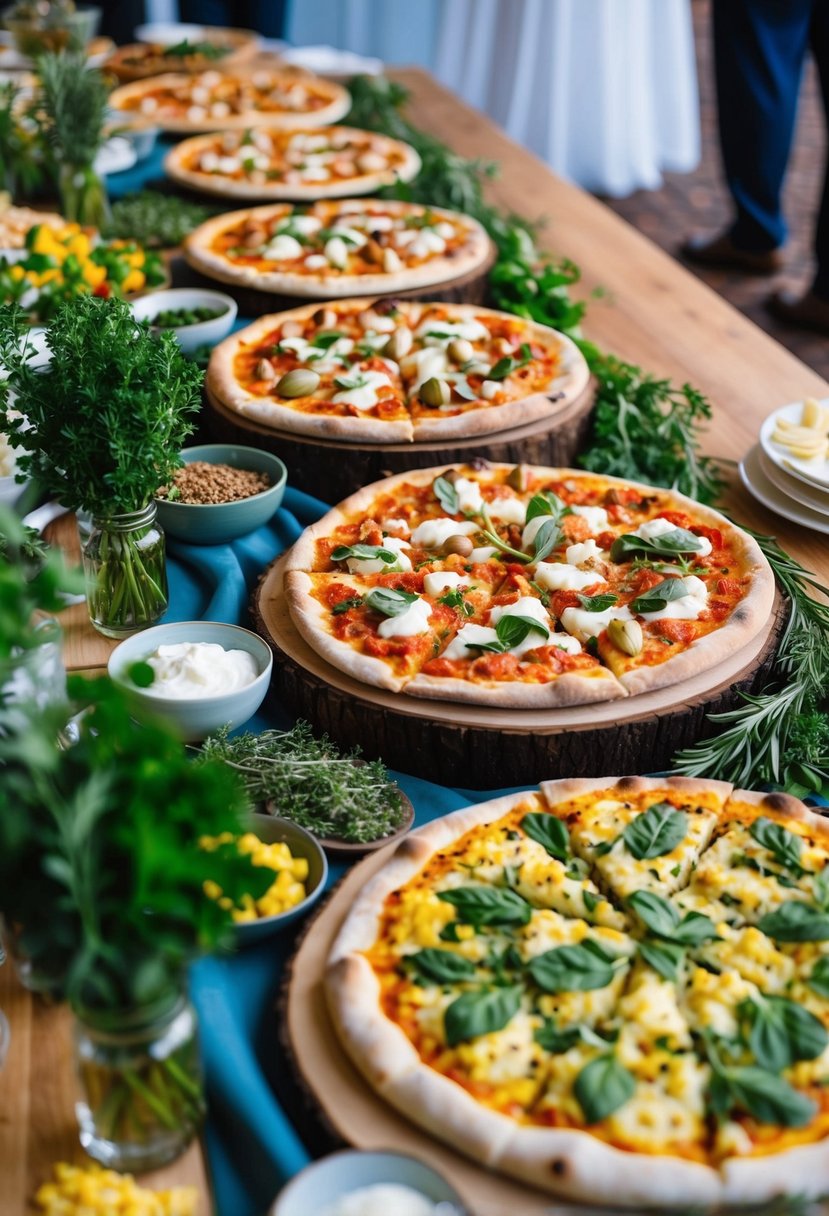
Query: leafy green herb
{"x": 547, "y": 538}
{"x": 557, "y": 1041}
{"x": 482, "y": 1012}
{"x": 442, "y": 966}
{"x": 488, "y": 905}
{"x": 572, "y": 968}
{"x": 550, "y": 832}
{"x": 511, "y": 631}
{"x": 547, "y": 503}
{"x": 794, "y": 921}
{"x": 818, "y": 981}
{"x": 760, "y": 1094}
{"x": 390, "y": 602}
{"x": 326, "y": 338}
{"x": 363, "y": 553}
{"x": 155, "y": 220}
{"x": 446, "y": 494}
{"x": 783, "y": 844}
{"x": 781, "y": 1032}
{"x": 669, "y": 544}
{"x": 454, "y": 599}
{"x": 663, "y": 919}
{"x": 598, "y": 603}
{"x": 74, "y": 101}
{"x": 647, "y": 430}
{"x": 311, "y": 781}
{"x": 184, "y": 49}
{"x": 820, "y": 889}
{"x": 602, "y": 1087}
{"x": 658, "y": 831}
{"x": 506, "y": 366}
{"x": 354, "y": 601}
{"x": 665, "y": 958}
{"x": 657, "y": 598}
{"x": 32, "y": 577}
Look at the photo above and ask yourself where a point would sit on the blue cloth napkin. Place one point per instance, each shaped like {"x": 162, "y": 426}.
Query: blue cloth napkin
{"x": 252, "y": 1146}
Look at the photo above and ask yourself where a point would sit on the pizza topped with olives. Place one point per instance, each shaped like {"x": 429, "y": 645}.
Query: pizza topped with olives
{"x": 525, "y": 587}
{"x": 615, "y": 989}
{"x": 386, "y": 371}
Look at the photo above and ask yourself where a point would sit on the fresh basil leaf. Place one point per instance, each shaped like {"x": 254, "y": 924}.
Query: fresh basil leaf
{"x": 326, "y": 338}
{"x": 602, "y": 1087}
{"x": 447, "y": 495}
{"x": 354, "y": 602}
{"x": 557, "y": 1041}
{"x": 571, "y": 968}
{"x": 660, "y": 596}
{"x": 794, "y": 921}
{"x": 670, "y": 544}
{"x": 454, "y": 599}
{"x": 363, "y": 553}
{"x": 694, "y": 929}
{"x": 768, "y": 1098}
{"x": 390, "y": 602}
{"x": 488, "y": 905}
{"x": 658, "y": 831}
{"x": 660, "y": 916}
{"x": 512, "y": 630}
{"x": 442, "y": 966}
{"x": 820, "y": 889}
{"x": 782, "y": 1032}
{"x": 550, "y": 832}
{"x": 598, "y": 603}
{"x": 591, "y": 901}
{"x": 547, "y": 538}
{"x": 665, "y": 957}
{"x": 784, "y": 846}
{"x": 449, "y": 933}
{"x": 482, "y": 1012}
{"x": 506, "y": 366}
{"x": 818, "y": 981}
{"x": 546, "y": 503}
{"x": 346, "y": 382}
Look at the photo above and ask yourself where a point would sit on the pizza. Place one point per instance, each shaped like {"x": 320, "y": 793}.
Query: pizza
{"x": 387, "y": 371}
{"x": 216, "y": 100}
{"x": 211, "y": 49}
{"x": 615, "y": 989}
{"x": 291, "y": 164}
{"x": 384, "y": 247}
{"x": 525, "y": 587}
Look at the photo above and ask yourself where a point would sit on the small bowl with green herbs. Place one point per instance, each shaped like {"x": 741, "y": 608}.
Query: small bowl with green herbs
{"x": 196, "y": 316}
{"x": 348, "y": 804}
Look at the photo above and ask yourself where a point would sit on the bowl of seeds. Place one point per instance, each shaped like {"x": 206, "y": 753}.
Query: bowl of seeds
{"x": 221, "y": 492}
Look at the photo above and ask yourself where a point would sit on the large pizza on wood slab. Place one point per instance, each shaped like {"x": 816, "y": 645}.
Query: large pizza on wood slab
{"x": 386, "y": 371}
{"x": 339, "y": 248}
{"x": 615, "y": 989}
{"x": 215, "y": 100}
{"x": 525, "y": 587}
{"x": 296, "y": 164}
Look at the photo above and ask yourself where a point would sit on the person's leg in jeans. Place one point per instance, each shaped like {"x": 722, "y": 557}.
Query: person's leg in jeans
{"x": 759, "y": 50}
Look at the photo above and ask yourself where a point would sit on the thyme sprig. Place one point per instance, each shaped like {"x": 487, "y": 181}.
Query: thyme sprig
{"x": 312, "y": 782}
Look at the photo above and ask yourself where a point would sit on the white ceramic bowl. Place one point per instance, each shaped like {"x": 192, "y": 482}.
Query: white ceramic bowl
{"x": 190, "y": 337}
{"x": 195, "y": 717}
{"x": 324, "y": 1182}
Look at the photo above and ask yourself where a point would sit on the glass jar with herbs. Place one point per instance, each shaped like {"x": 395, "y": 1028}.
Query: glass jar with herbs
{"x": 101, "y": 427}
{"x": 141, "y": 1087}
{"x": 73, "y": 115}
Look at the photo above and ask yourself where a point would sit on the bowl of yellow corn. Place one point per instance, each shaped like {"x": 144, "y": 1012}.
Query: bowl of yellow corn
{"x": 299, "y": 866}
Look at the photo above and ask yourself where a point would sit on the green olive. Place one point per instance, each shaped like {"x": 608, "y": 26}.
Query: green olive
{"x": 435, "y": 392}
{"x": 301, "y": 382}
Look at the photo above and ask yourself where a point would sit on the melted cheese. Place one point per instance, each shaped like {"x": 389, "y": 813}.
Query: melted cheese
{"x": 375, "y": 565}
{"x": 584, "y": 625}
{"x": 558, "y": 576}
{"x": 596, "y": 517}
{"x": 434, "y": 533}
{"x": 434, "y": 584}
{"x": 366, "y": 393}
{"x": 688, "y": 607}
{"x": 408, "y": 624}
{"x": 584, "y": 551}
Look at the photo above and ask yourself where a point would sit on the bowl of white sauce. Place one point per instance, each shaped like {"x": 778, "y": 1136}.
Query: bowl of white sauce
{"x": 196, "y": 675}
{"x": 356, "y": 1183}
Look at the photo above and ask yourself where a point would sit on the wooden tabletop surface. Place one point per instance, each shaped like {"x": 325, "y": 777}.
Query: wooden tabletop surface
{"x": 653, "y": 313}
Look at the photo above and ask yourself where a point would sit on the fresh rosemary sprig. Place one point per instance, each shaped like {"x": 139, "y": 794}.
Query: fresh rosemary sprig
{"x": 779, "y": 736}
{"x": 312, "y": 782}
{"x": 647, "y": 430}
{"x": 155, "y": 220}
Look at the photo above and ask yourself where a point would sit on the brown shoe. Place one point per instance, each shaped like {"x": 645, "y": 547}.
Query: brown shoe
{"x": 720, "y": 252}
{"x": 807, "y": 311}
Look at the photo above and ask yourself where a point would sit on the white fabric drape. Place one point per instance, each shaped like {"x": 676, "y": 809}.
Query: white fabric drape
{"x": 603, "y": 90}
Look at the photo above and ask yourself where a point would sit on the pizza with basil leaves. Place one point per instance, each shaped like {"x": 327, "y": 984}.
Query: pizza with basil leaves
{"x": 525, "y": 587}
{"x": 615, "y": 989}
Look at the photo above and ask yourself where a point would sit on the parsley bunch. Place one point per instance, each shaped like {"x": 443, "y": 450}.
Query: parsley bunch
{"x": 101, "y": 427}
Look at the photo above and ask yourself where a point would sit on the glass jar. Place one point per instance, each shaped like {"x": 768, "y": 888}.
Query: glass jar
{"x": 126, "y": 573}
{"x": 83, "y": 196}
{"x": 141, "y": 1083}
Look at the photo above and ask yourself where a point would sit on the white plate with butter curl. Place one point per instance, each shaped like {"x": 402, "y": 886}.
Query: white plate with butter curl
{"x": 767, "y": 493}
{"x": 788, "y": 421}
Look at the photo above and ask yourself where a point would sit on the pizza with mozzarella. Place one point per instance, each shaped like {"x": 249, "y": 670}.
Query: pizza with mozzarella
{"x": 614, "y": 989}
{"x": 528, "y": 587}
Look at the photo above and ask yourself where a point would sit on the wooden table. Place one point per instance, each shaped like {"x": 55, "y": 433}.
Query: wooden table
{"x": 653, "y": 313}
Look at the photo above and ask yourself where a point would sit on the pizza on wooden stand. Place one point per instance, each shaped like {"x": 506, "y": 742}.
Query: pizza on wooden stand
{"x": 614, "y": 989}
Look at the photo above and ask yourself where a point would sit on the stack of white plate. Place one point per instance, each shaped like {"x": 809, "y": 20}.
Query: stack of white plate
{"x": 796, "y": 489}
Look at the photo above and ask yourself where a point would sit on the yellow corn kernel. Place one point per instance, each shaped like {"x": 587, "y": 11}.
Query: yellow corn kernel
{"x": 211, "y": 889}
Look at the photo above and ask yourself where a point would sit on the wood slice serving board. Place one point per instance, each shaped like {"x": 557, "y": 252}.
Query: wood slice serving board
{"x": 480, "y": 748}
{"x": 469, "y": 288}
{"x": 332, "y": 470}
{"x": 334, "y": 1102}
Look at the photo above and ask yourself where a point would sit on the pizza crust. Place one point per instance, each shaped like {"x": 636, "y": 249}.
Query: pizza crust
{"x": 475, "y": 254}
{"x": 572, "y": 688}
{"x": 339, "y": 105}
{"x": 556, "y": 792}
{"x": 229, "y": 187}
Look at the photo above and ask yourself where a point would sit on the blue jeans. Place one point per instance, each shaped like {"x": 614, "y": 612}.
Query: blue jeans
{"x": 760, "y": 48}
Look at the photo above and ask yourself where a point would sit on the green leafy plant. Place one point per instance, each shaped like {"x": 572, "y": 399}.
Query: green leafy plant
{"x": 33, "y": 578}
{"x": 658, "y": 831}
{"x": 74, "y": 108}
{"x": 550, "y": 832}
{"x": 311, "y": 781}
{"x": 488, "y": 906}
{"x": 602, "y": 1087}
{"x": 572, "y": 968}
{"x": 481, "y": 1011}
{"x": 22, "y": 160}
